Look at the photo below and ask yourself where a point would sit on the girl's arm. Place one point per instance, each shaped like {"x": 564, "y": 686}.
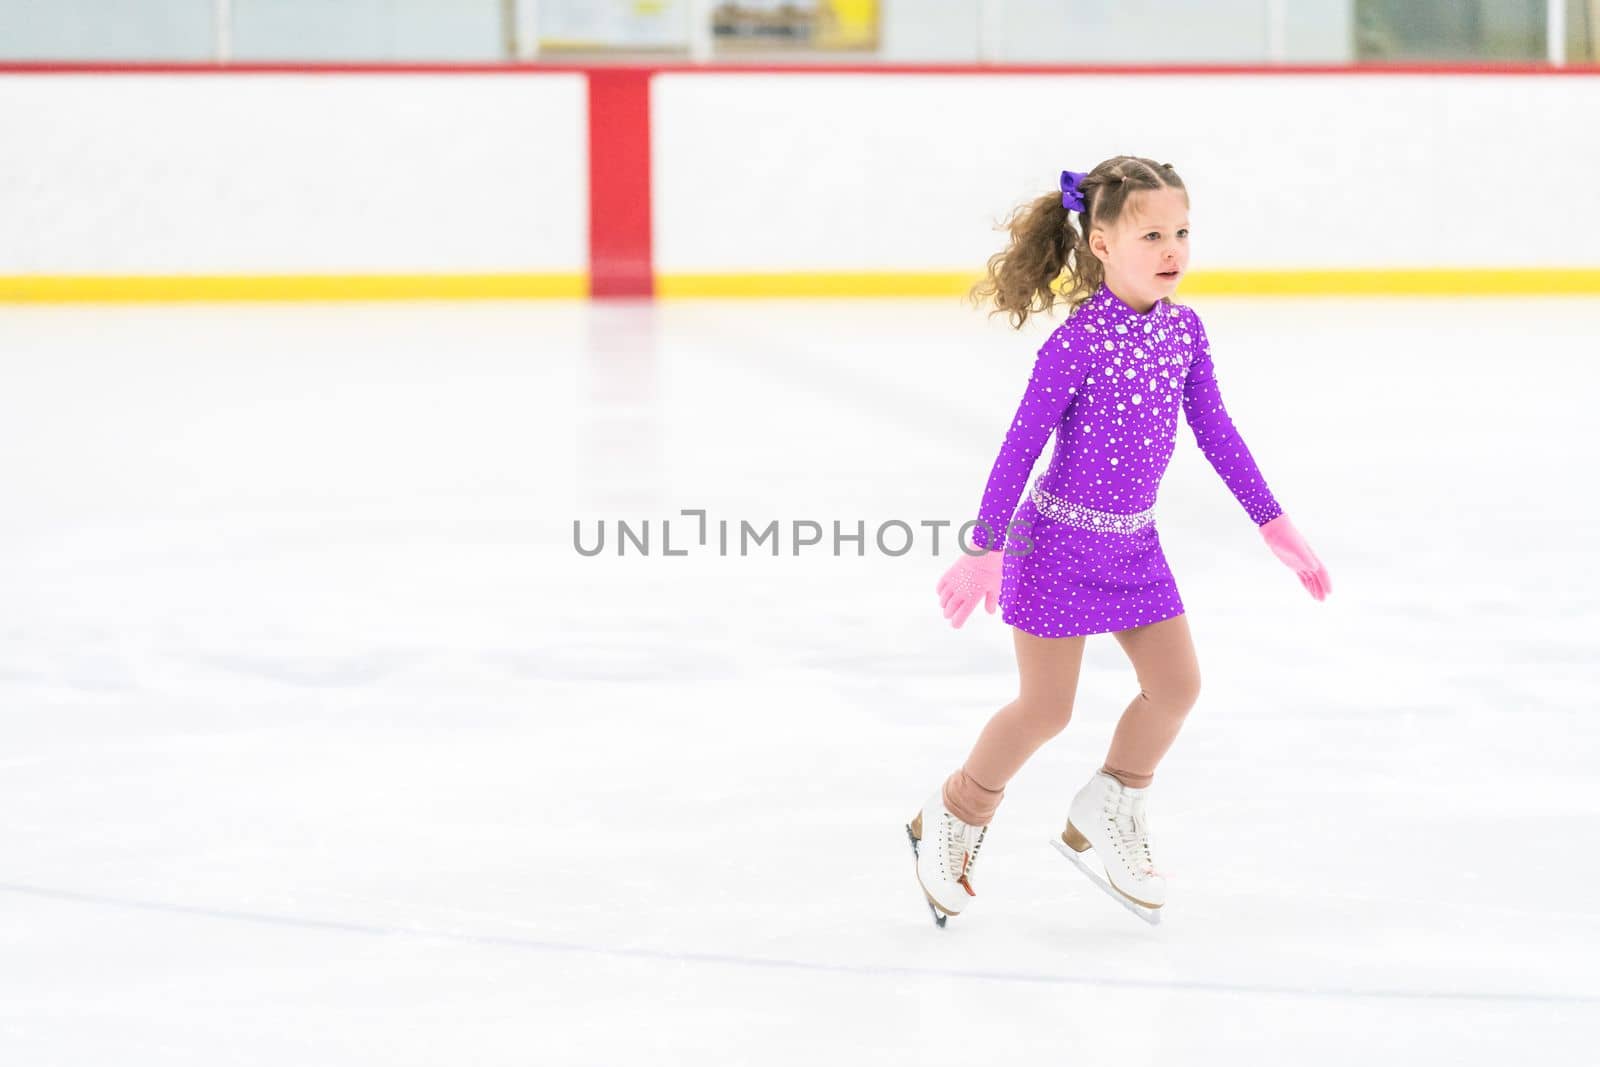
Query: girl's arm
{"x": 1058, "y": 371}
{"x": 1214, "y": 432}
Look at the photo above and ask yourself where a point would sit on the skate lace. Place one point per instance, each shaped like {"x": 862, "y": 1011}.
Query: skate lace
{"x": 962, "y": 841}
{"x": 1127, "y": 819}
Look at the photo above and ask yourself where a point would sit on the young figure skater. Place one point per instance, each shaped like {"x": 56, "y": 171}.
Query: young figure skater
{"x": 1082, "y": 555}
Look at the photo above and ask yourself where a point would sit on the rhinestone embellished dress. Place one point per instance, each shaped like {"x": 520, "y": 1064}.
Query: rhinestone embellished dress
{"x": 1108, "y": 382}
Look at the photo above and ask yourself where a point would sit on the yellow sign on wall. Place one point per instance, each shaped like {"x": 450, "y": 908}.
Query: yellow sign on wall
{"x": 854, "y": 25}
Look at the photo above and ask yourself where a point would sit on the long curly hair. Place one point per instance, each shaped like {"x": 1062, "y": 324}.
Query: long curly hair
{"x": 1047, "y": 260}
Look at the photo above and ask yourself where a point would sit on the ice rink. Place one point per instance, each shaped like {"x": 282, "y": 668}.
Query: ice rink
{"x": 321, "y": 743}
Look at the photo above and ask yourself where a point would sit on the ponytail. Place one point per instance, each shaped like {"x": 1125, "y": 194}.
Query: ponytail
{"x": 1021, "y": 278}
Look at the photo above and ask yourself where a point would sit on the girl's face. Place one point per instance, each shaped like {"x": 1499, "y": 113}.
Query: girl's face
{"x": 1148, "y": 250}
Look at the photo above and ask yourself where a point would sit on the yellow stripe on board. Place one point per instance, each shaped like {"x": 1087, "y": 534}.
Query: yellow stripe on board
{"x": 60, "y": 289}
{"x": 1532, "y": 281}
{"x": 1454, "y": 282}
{"x": 1582, "y": 281}
{"x": 819, "y": 284}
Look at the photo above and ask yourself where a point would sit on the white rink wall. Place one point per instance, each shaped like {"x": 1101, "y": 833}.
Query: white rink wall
{"x": 1294, "y": 171}
{"x": 806, "y": 171}
{"x": 266, "y": 173}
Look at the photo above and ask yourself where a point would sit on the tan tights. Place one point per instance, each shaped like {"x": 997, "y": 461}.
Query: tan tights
{"x": 1169, "y": 683}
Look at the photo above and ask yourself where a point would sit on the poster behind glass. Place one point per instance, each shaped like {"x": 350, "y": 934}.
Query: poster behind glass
{"x": 787, "y": 25}
{"x": 613, "y": 25}
{"x": 742, "y": 27}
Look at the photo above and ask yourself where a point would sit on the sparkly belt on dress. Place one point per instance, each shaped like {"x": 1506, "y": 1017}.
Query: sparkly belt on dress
{"x": 1065, "y": 511}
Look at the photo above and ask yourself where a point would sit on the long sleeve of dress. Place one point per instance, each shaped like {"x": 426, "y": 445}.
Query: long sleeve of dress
{"x": 1058, "y": 371}
{"x": 1214, "y": 432}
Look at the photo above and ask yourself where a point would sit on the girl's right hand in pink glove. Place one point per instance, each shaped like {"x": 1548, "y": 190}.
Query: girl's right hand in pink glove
{"x": 1287, "y": 544}
{"x": 968, "y": 580}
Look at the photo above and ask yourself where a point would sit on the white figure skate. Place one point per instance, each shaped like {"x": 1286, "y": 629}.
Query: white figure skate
{"x": 946, "y": 850}
{"x": 1109, "y": 818}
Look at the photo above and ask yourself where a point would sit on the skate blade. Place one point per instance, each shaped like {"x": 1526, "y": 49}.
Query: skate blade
{"x": 938, "y": 916}
{"x": 1149, "y": 915}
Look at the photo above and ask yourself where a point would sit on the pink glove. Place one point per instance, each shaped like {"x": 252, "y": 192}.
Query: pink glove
{"x": 1287, "y": 544}
{"x": 969, "y": 579}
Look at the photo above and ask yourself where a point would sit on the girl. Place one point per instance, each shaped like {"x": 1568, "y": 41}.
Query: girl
{"x": 1082, "y": 555}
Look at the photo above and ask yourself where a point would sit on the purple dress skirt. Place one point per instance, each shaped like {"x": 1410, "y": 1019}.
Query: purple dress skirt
{"x": 1075, "y": 581}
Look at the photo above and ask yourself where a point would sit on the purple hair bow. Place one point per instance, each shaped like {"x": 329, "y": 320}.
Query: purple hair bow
{"x": 1071, "y": 198}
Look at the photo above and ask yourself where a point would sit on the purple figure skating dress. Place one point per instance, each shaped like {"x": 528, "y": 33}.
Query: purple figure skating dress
{"x": 1108, "y": 382}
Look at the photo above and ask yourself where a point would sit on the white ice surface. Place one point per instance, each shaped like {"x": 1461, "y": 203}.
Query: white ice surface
{"x": 320, "y": 743}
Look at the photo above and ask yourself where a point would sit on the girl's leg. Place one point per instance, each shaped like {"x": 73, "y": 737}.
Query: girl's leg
{"x": 1048, "y": 668}
{"x": 1169, "y": 684}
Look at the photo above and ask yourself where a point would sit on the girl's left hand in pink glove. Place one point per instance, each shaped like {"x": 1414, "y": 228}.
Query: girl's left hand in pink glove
{"x": 1287, "y": 544}
{"x": 970, "y": 580}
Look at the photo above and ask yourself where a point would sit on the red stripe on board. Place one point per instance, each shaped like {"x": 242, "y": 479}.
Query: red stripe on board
{"x": 1356, "y": 69}
{"x": 620, "y": 262}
